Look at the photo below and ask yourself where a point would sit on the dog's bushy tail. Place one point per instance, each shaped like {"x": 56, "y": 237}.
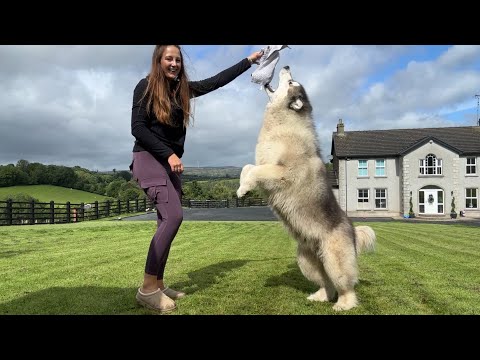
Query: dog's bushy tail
{"x": 366, "y": 239}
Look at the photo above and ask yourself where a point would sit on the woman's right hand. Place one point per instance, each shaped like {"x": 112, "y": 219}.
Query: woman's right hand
{"x": 175, "y": 164}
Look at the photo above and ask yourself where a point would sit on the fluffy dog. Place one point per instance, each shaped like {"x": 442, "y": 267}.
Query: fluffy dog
{"x": 290, "y": 170}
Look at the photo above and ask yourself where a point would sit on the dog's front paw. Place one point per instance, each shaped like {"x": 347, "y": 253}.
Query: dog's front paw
{"x": 242, "y": 190}
{"x": 245, "y": 170}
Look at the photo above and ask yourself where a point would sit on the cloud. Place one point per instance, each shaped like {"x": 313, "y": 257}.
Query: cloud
{"x": 71, "y": 105}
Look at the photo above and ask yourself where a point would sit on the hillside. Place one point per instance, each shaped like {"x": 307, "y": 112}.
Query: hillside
{"x": 197, "y": 173}
{"x": 47, "y": 193}
{"x": 211, "y": 173}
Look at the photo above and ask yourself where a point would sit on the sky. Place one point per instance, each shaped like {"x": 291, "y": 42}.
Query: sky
{"x": 71, "y": 105}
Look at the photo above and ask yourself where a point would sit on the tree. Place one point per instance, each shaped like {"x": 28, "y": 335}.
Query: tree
{"x": 411, "y": 213}
{"x": 192, "y": 190}
{"x": 453, "y": 213}
{"x": 113, "y": 189}
{"x": 124, "y": 174}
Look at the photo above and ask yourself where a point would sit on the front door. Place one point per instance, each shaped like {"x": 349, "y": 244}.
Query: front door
{"x": 431, "y": 202}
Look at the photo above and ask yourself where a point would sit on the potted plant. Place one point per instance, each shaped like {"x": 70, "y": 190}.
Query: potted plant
{"x": 411, "y": 214}
{"x": 453, "y": 213}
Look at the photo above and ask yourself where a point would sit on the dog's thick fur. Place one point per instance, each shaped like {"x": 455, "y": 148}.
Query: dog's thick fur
{"x": 290, "y": 169}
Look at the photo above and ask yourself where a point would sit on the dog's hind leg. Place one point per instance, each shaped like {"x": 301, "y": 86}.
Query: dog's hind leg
{"x": 340, "y": 265}
{"x": 312, "y": 268}
{"x": 267, "y": 175}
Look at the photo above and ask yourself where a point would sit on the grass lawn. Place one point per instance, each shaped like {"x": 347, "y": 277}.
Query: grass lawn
{"x": 228, "y": 268}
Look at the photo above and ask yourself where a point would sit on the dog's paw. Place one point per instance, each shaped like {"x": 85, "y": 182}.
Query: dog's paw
{"x": 320, "y": 295}
{"x": 346, "y": 302}
{"x": 245, "y": 170}
{"x": 241, "y": 191}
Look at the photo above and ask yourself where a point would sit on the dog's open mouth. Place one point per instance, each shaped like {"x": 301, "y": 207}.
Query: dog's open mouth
{"x": 269, "y": 88}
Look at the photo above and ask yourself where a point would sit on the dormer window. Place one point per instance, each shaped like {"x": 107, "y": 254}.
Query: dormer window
{"x": 431, "y": 165}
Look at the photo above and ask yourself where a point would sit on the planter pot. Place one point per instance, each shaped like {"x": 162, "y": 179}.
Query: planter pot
{"x": 453, "y": 215}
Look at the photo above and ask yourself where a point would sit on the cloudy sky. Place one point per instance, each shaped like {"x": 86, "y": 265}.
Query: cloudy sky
{"x": 71, "y": 105}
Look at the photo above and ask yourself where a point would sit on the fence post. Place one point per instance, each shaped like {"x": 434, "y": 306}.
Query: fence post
{"x": 68, "y": 211}
{"x": 145, "y": 204}
{"x": 108, "y": 208}
{"x": 82, "y": 211}
{"x": 52, "y": 212}
{"x": 96, "y": 209}
{"x": 9, "y": 212}
{"x": 32, "y": 212}
{"x": 128, "y": 205}
{"x": 136, "y": 204}
{"x": 119, "y": 207}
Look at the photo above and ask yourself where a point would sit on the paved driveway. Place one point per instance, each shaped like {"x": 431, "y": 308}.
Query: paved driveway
{"x": 263, "y": 213}
{"x": 260, "y": 213}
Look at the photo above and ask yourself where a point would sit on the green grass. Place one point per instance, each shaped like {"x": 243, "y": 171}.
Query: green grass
{"x": 231, "y": 268}
{"x": 58, "y": 194}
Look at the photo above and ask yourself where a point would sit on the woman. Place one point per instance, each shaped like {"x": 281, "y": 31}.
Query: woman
{"x": 161, "y": 113}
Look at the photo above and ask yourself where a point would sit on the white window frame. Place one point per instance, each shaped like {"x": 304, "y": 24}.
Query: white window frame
{"x": 472, "y": 166}
{"x": 471, "y": 197}
{"x": 363, "y": 201}
{"x": 380, "y": 198}
{"x": 360, "y": 168}
{"x": 434, "y": 165}
{"x": 380, "y": 167}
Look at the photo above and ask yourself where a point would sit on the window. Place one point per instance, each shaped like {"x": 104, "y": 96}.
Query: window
{"x": 362, "y": 199}
{"x": 380, "y": 167}
{"x": 362, "y": 168}
{"x": 380, "y": 198}
{"x": 421, "y": 202}
{"x": 431, "y": 165}
{"x": 471, "y": 166}
{"x": 471, "y": 198}
{"x": 440, "y": 201}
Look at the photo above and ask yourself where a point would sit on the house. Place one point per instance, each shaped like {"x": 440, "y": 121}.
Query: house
{"x": 378, "y": 172}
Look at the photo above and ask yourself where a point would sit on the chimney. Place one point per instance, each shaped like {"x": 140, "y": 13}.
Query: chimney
{"x": 340, "y": 128}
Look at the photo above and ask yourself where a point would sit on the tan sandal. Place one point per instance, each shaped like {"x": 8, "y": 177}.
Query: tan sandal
{"x": 156, "y": 300}
{"x": 173, "y": 294}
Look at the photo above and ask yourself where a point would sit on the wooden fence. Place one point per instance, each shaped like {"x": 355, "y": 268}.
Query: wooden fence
{"x": 30, "y": 213}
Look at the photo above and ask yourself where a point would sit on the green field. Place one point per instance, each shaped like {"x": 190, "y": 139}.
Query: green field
{"x": 47, "y": 193}
{"x": 232, "y": 268}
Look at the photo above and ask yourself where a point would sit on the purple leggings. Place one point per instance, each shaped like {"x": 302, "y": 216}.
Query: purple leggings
{"x": 164, "y": 189}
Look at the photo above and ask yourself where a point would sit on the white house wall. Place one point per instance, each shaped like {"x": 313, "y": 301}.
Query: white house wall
{"x": 349, "y": 183}
{"x": 402, "y": 176}
{"x": 414, "y": 181}
{"x": 467, "y": 181}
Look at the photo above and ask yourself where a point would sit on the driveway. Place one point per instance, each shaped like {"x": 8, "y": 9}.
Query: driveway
{"x": 260, "y": 213}
{"x": 263, "y": 213}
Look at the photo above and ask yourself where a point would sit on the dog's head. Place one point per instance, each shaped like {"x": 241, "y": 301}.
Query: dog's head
{"x": 290, "y": 93}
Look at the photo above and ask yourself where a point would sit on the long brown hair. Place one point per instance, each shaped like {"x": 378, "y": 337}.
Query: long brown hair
{"x": 161, "y": 92}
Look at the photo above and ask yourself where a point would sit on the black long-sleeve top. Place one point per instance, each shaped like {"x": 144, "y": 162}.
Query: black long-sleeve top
{"x": 163, "y": 140}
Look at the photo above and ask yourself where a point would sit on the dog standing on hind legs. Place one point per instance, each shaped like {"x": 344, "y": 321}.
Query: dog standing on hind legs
{"x": 290, "y": 170}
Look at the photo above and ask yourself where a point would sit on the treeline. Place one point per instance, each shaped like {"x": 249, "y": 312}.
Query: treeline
{"x": 118, "y": 184}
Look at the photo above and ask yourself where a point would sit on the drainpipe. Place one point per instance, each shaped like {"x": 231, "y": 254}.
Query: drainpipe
{"x": 346, "y": 187}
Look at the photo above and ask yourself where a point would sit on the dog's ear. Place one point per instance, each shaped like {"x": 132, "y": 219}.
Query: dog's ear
{"x": 297, "y": 104}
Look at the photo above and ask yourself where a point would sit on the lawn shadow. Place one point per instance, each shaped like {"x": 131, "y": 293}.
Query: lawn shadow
{"x": 86, "y": 300}
{"x": 292, "y": 278}
{"x": 207, "y": 276}
{"x": 13, "y": 253}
